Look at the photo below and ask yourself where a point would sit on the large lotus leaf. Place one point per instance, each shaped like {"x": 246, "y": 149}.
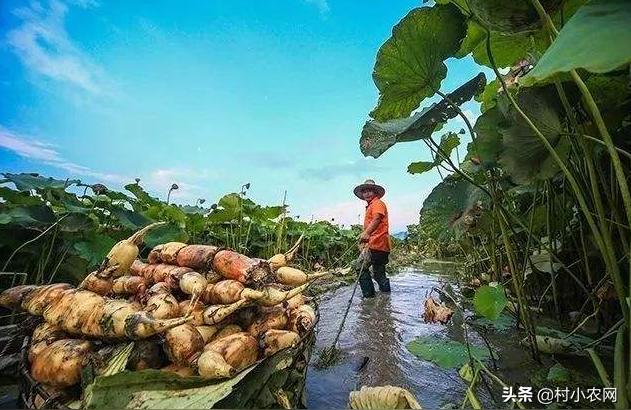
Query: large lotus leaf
{"x": 609, "y": 91}
{"x": 509, "y": 17}
{"x": 447, "y": 144}
{"x": 377, "y": 136}
{"x": 156, "y": 389}
{"x": 219, "y": 216}
{"x": 78, "y": 222}
{"x": 487, "y": 146}
{"x": 268, "y": 212}
{"x": 448, "y": 202}
{"x": 410, "y": 64}
{"x": 475, "y": 35}
{"x": 448, "y": 354}
{"x": 227, "y": 209}
{"x": 93, "y": 248}
{"x": 130, "y": 219}
{"x": 506, "y": 49}
{"x": 165, "y": 233}
{"x": 164, "y": 212}
{"x": 489, "y": 301}
{"x": 597, "y": 38}
{"x": 19, "y": 197}
{"x": 26, "y": 182}
{"x": 73, "y": 270}
{"x": 524, "y": 157}
{"x": 32, "y": 215}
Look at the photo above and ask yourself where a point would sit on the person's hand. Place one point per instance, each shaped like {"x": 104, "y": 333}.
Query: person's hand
{"x": 364, "y": 237}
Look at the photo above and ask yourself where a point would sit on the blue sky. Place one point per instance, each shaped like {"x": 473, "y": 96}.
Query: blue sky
{"x": 210, "y": 95}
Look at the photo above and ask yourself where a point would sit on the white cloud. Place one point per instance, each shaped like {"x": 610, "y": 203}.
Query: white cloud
{"x": 29, "y": 147}
{"x": 190, "y": 181}
{"x": 43, "y": 45}
{"x": 321, "y": 5}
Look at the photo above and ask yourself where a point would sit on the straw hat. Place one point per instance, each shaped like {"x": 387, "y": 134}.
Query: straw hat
{"x": 369, "y": 184}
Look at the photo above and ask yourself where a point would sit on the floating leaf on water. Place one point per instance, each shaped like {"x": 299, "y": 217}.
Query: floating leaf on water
{"x": 445, "y": 353}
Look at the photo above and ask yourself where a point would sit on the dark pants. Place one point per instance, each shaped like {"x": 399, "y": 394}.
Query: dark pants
{"x": 378, "y": 261}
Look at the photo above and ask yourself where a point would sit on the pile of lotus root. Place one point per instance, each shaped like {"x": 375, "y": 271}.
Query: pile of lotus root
{"x": 195, "y": 310}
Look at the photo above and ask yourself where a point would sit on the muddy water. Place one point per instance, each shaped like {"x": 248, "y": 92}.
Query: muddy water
{"x": 379, "y": 329}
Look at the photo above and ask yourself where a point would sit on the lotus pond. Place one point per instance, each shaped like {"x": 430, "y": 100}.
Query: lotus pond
{"x": 385, "y": 341}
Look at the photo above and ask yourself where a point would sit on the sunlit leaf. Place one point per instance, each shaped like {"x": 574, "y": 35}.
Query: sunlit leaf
{"x": 488, "y": 97}
{"x": 410, "y": 64}
{"x": 597, "y": 38}
{"x": 420, "y": 167}
{"x": 508, "y": 49}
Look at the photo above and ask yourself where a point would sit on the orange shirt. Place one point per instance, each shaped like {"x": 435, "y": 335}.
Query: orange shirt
{"x": 380, "y": 238}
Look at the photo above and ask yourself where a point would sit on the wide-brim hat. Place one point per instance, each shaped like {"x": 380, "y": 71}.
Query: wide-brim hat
{"x": 369, "y": 184}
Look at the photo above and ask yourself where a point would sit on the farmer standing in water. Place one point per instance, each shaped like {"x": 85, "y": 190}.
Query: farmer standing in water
{"x": 375, "y": 236}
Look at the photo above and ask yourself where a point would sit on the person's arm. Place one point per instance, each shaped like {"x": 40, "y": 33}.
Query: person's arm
{"x": 365, "y": 235}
